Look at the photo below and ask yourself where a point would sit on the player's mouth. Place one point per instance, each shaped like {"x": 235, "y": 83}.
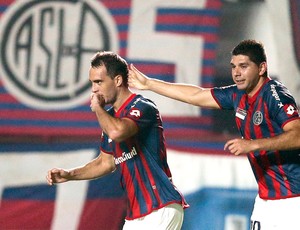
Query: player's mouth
{"x": 239, "y": 82}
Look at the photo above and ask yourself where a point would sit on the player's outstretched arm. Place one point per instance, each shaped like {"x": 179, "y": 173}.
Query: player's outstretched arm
{"x": 187, "y": 93}
{"x": 98, "y": 167}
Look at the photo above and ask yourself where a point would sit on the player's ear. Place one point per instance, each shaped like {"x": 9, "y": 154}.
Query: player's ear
{"x": 118, "y": 80}
{"x": 262, "y": 68}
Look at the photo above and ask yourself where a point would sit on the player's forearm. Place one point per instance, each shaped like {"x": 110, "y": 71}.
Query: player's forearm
{"x": 106, "y": 121}
{"x": 82, "y": 173}
{"x": 116, "y": 128}
{"x": 286, "y": 141}
{"x": 177, "y": 91}
{"x": 91, "y": 170}
{"x": 190, "y": 94}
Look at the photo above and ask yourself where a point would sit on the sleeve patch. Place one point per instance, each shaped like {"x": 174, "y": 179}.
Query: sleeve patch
{"x": 134, "y": 112}
{"x": 290, "y": 110}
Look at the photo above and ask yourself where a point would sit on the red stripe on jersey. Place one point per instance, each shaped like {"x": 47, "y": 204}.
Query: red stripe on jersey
{"x": 128, "y": 100}
{"x": 151, "y": 178}
{"x": 247, "y": 130}
{"x": 146, "y": 195}
{"x": 278, "y": 159}
{"x": 263, "y": 189}
{"x": 134, "y": 204}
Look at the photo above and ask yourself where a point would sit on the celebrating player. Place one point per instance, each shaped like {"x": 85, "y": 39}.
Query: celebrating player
{"x": 268, "y": 120}
{"x": 133, "y": 142}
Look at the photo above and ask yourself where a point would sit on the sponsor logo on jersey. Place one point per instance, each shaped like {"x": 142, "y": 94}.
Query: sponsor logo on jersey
{"x": 275, "y": 95}
{"x": 240, "y": 113}
{"x": 46, "y": 46}
{"x": 274, "y": 92}
{"x": 126, "y": 156}
{"x": 290, "y": 110}
{"x": 135, "y": 112}
{"x": 257, "y": 118}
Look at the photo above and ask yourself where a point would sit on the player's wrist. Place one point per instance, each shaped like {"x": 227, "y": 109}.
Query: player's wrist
{"x": 255, "y": 145}
{"x": 150, "y": 84}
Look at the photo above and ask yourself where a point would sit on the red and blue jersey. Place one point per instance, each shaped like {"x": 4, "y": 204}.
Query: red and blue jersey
{"x": 262, "y": 116}
{"x": 142, "y": 159}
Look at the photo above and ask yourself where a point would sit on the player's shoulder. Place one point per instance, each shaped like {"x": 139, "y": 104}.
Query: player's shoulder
{"x": 274, "y": 83}
{"x": 140, "y": 100}
{"x": 145, "y": 106}
{"x": 225, "y": 90}
{"x": 275, "y": 92}
{"x": 276, "y": 88}
{"x": 231, "y": 87}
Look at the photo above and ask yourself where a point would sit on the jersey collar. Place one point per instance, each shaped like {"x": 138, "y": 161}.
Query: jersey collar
{"x": 129, "y": 99}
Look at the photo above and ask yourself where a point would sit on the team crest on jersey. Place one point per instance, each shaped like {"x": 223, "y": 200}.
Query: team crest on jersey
{"x": 257, "y": 118}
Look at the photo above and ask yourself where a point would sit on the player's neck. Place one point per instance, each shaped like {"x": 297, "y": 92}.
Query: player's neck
{"x": 122, "y": 97}
{"x": 258, "y": 86}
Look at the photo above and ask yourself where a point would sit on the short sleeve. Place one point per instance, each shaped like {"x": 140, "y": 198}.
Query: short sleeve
{"x": 106, "y": 144}
{"x": 224, "y": 96}
{"x": 143, "y": 113}
{"x": 282, "y": 105}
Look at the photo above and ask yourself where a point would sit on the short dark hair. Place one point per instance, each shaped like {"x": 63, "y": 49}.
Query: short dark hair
{"x": 114, "y": 64}
{"x": 253, "y": 49}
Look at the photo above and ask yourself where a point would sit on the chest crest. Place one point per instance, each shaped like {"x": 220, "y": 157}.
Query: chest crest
{"x": 257, "y": 118}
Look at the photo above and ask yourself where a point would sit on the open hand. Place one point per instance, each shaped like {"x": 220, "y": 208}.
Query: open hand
{"x": 137, "y": 79}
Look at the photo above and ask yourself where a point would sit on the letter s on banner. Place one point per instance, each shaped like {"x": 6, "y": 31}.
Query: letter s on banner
{"x": 184, "y": 50}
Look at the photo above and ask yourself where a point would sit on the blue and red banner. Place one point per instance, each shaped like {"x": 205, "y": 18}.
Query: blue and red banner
{"x": 46, "y": 46}
{"x": 45, "y": 51}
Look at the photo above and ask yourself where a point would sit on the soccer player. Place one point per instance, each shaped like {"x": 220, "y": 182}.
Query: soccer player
{"x": 133, "y": 142}
{"x": 267, "y": 117}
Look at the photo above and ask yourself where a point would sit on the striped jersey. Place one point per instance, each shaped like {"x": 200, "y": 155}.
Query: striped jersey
{"x": 142, "y": 159}
{"x": 261, "y": 116}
